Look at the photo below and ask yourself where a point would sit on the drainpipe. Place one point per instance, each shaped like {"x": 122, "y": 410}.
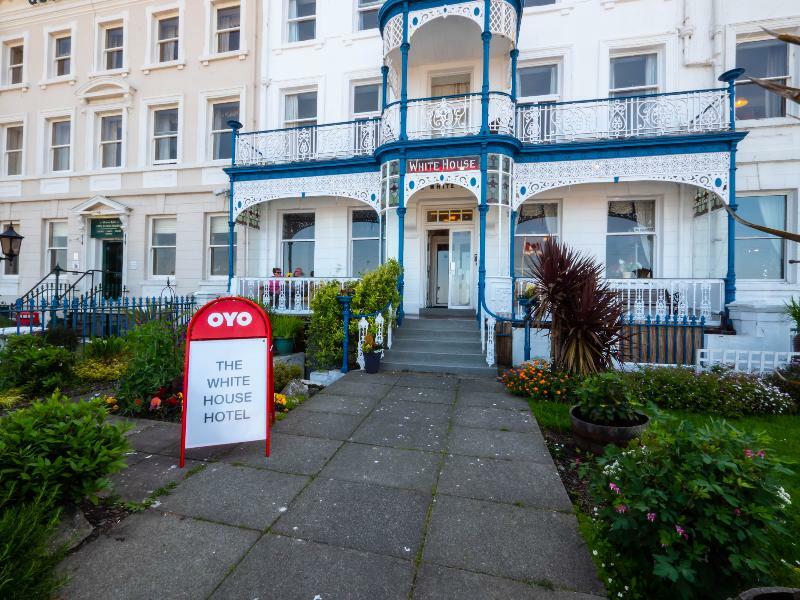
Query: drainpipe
{"x": 384, "y": 85}
{"x": 514, "y": 56}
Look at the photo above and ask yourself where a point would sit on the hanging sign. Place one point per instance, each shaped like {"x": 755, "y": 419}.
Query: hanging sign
{"x": 106, "y": 228}
{"x": 443, "y": 165}
{"x": 227, "y": 379}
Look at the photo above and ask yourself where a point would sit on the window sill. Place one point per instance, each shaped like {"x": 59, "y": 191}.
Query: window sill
{"x": 5, "y": 178}
{"x": 366, "y": 34}
{"x": 769, "y": 122}
{"x": 177, "y": 64}
{"x": 561, "y": 7}
{"x": 241, "y": 54}
{"x": 163, "y": 166}
{"x": 70, "y": 79}
{"x": 124, "y": 72}
{"x": 315, "y": 43}
{"x": 15, "y": 86}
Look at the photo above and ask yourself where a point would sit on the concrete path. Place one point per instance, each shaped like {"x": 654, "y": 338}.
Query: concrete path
{"x": 387, "y": 486}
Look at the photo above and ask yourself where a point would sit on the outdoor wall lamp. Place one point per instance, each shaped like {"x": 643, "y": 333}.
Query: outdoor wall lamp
{"x": 10, "y": 242}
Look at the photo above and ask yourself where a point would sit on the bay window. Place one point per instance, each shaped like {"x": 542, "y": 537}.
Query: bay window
{"x": 297, "y": 244}
{"x": 630, "y": 239}
{"x": 536, "y": 222}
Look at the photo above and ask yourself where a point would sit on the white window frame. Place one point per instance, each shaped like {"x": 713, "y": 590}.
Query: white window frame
{"x": 101, "y": 25}
{"x": 212, "y": 132}
{"x": 306, "y": 122}
{"x": 205, "y": 119}
{"x": 99, "y": 142}
{"x": 658, "y": 205}
{"x": 559, "y": 224}
{"x": 5, "y": 124}
{"x": 154, "y": 138}
{"x": 210, "y": 42}
{"x": 151, "y": 247}
{"x": 154, "y": 15}
{"x": 51, "y": 148}
{"x": 289, "y": 21}
{"x": 792, "y": 66}
{"x": 787, "y": 250}
{"x": 351, "y": 253}
{"x": 49, "y": 249}
{"x": 291, "y": 211}
{"x": 8, "y": 42}
{"x": 639, "y": 90}
{"x": 148, "y": 107}
{"x": 375, "y": 5}
{"x": 353, "y": 85}
{"x": 209, "y": 246}
{"x": 558, "y": 61}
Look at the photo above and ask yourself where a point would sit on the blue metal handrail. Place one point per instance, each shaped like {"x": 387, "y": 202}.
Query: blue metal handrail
{"x": 315, "y": 126}
{"x": 346, "y": 317}
{"x": 611, "y": 98}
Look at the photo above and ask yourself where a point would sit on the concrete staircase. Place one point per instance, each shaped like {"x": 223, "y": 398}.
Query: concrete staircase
{"x": 438, "y": 345}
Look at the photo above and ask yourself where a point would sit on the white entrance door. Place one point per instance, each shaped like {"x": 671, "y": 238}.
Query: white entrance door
{"x": 460, "y": 268}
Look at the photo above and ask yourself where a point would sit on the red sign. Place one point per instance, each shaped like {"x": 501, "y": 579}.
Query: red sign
{"x": 227, "y": 378}
{"x": 443, "y": 165}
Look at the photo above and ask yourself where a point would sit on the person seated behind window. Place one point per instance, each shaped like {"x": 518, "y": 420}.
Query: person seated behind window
{"x": 298, "y": 272}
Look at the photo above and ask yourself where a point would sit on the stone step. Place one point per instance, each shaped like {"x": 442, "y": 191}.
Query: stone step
{"x": 426, "y": 336}
{"x": 440, "y": 324}
{"x": 435, "y": 358}
{"x": 484, "y": 371}
{"x": 446, "y": 313}
{"x": 466, "y": 345}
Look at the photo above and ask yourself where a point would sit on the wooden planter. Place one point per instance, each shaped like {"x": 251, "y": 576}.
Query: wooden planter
{"x": 594, "y": 438}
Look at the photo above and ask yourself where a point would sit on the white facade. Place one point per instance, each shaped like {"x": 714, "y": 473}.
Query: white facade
{"x": 568, "y": 50}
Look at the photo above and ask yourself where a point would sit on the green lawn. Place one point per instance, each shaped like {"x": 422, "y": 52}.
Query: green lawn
{"x": 783, "y": 430}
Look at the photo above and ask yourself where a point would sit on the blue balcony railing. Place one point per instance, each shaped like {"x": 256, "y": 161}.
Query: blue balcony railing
{"x": 652, "y": 115}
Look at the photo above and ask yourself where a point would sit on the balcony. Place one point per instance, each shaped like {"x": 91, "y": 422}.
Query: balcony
{"x": 460, "y": 116}
{"x": 653, "y": 115}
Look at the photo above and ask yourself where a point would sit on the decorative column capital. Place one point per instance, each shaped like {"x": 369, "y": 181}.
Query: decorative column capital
{"x": 486, "y": 36}
{"x": 401, "y": 211}
{"x": 514, "y": 53}
{"x": 483, "y": 208}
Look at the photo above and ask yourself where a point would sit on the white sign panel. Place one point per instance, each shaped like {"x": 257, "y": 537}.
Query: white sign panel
{"x": 227, "y": 392}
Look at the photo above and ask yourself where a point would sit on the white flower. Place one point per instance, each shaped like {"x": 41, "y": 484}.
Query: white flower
{"x": 784, "y": 497}
{"x": 594, "y": 552}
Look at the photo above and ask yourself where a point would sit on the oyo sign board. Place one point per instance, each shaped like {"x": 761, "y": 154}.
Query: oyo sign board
{"x": 227, "y": 380}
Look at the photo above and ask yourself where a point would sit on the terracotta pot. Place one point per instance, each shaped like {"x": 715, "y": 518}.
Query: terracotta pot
{"x": 594, "y": 438}
{"x": 372, "y": 362}
{"x": 770, "y": 593}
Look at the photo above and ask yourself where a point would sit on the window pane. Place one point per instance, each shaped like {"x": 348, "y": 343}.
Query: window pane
{"x": 164, "y": 232}
{"x": 63, "y": 67}
{"x": 302, "y": 30}
{"x": 224, "y": 112}
{"x": 61, "y": 133}
{"x": 759, "y": 258}
{"x": 631, "y": 216}
{"x": 527, "y": 250}
{"x": 168, "y": 28}
{"x": 766, "y": 58}
{"x": 16, "y": 55}
{"x": 14, "y": 138}
{"x": 769, "y": 211}
{"x": 228, "y": 41}
{"x": 63, "y": 46}
{"x": 112, "y": 155}
{"x": 218, "y": 230}
{"x": 298, "y": 226}
{"x": 165, "y": 121}
{"x": 301, "y": 106}
{"x": 114, "y": 60}
{"x": 111, "y": 128}
{"x": 633, "y": 71}
{"x": 368, "y": 19}
{"x": 219, "y": 260}
{"x": 61, "y": 159}
{"x": 58, "y": 257}
{"x": 167, "y": 148}
{"x": 302, "y": 8}
{"x": 538, "y": 219}
{"x": 629, "y": 256}
{"x": 298, "y": 255}
{"x": 365, "y": 256}
{"x": 58, "y": 235}
{"x": 14, "y": 163}
{"x": 538, "y": 81}
{"x": 228, "y": 18}
{"x": 114, "y": 37}
{"x": 538, "y": 2}
{"x": 163, "y": 261}
{"x": 757, "y": 103}
{"x": 365, "y": 224}
{"x": 168, "y": 51}
{"x": 366, "y": 98}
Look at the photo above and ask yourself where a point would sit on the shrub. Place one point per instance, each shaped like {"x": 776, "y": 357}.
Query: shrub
{"x": 283, "y": 373}
{"x": 606, "y": 399}
{"x": 721, "y": 392}
{"x": 27, "y": 562}
{"x": 787, "y": 380}
{"x": 690, "y": 510}
{"x": 536, "y": 380}
{"x": 156, "y": 360}
{"x": 64, "y": 447}
{"x": 105, "y": 348}
{"x": 285, "y": 326}
{"x": 94, "y": 370}
{"x": 35, "y": 367}
{"x": 60, "y": 335}
{"x": 585, "y": 314}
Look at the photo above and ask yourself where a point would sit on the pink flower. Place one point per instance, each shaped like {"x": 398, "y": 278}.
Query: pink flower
{"x": 761, "y": 454}
{"x": 622, "y": 508}
{"x": 155, "y": 403}
{"x": 651, "y": 517}
{"x": 614, "y": 488}
{"x": 681, "y": 532}
{"x": 737, "y": 512}
{"x": 748, "y": 453}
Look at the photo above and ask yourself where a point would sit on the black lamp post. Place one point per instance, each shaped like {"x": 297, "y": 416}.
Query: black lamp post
{"x": 10, "y": 242}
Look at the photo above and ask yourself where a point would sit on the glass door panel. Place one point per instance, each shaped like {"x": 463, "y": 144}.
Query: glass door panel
{"x": 460, "y": 268}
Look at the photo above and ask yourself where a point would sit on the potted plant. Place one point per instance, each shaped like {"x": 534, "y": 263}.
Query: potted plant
{"x": 372, "y": 354}
{"x": 792, "y": 309}
{"x": 529, "y": 296}
{"x": 284, "y": 328}
{"x": 605, "y": 413}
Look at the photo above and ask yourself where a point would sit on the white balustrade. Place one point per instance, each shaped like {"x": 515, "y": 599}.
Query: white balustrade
{"x": 305, "y": 144}
{"x": 634, "y": 116}
{"x": 663, "y": 298}
{"x": 291, "y": 295}
{"x": 390, "y": 124}
{"x": 745, "y": 361}
{"x": 446, "y": 116}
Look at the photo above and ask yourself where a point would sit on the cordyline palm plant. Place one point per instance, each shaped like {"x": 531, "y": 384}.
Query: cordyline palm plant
{"x": 586, "y": 325}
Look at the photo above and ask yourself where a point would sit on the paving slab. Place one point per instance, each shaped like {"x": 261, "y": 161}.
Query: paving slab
{"x": 333, "y": 403}
{"x": 318, "y": 424}
{"x": 408, "y": 469}
{"x": 421, "y": 394}
{"x": 507, "y": 541}
{"x": 492, "y": 443}
{"x": 288, "y": 453}
{"x": 356, "y": 515}
{"x": 413, "y": 435}
{"x": 436, "y": 582}
{"x": 155, "y": 555}
{"x": 292, "y": 569}
{"x": 491, "y": 400}
{"x": 148, "y": 474}
{"x": 383, "y": 377}
{"x": 494, "y": 418}
{"x": 421, "y": 412}
{"x": 358, "y": 388}
{"x": 428, "y": 380}
{"x": 514, "y": 482}
{"x": 239, "y": 496}
{"x": 160, "y": 437}
{"x": 480, "y": 385}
